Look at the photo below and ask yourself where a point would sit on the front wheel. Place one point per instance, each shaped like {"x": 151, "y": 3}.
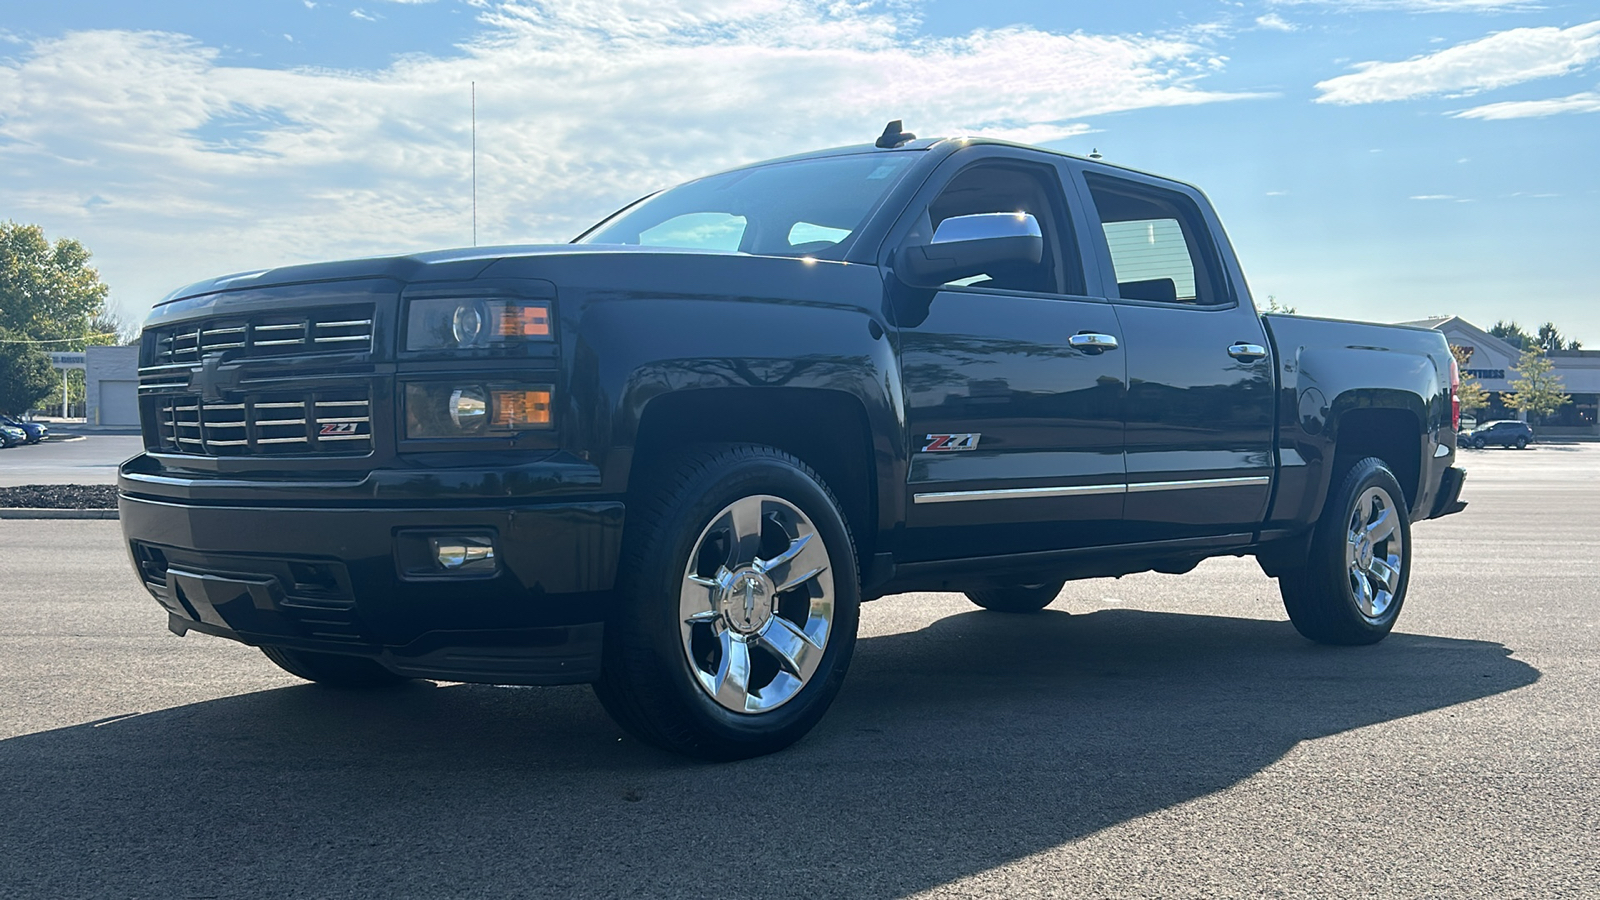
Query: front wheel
{"x": 737, "y": 608}
{"x": 332, "y": 669}
{"x": 1478, "y": 443}
{"x": 1354, "y": 581}
{"x": 1017, "y": 598}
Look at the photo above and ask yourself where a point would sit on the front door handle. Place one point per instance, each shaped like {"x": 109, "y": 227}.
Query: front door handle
{"x": 1247, "y": 352}
{"x": 1092, "y": 342}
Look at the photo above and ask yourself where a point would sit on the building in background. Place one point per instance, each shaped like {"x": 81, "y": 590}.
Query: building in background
{"x": 111, "y": 386}
{"x": 1493, "y": 362}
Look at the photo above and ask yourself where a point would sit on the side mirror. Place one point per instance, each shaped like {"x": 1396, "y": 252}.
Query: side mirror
{"x": 964, "y": 246}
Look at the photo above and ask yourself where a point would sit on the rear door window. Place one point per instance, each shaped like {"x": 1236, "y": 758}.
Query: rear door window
{"x": 1160, "y": 247}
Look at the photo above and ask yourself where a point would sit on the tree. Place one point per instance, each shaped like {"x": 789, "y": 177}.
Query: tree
{"x": 25, "y": 375}
{"x": 1471, "y": 394}
{"x": 1537, "y": 389}
{"x": 1550, "y": 339}
{"x": 1512, "y": 333}
{"x": 1273, "y": 306}
{"x": 48, "y": 292}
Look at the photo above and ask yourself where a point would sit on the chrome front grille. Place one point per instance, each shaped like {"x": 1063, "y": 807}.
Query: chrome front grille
{"x": 346, "y": 329}
{"x": 299, "y": 423}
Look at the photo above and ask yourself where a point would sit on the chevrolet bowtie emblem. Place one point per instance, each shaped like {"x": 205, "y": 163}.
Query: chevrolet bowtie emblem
{"x": 211, "y": 380}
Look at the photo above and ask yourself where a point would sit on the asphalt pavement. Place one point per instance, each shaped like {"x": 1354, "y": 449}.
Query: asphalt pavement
{"x": 68, "y": 459}
{"x": 1152, "y": 736}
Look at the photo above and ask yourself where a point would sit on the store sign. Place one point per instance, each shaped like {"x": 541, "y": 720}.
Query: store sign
{"x": 1486, "y": 374}
{"x": 68, "y": 360}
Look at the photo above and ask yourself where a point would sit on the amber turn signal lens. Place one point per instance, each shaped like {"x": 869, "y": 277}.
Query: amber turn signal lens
{"x": 521, "y": 409}
{"x": 523, "y": 321}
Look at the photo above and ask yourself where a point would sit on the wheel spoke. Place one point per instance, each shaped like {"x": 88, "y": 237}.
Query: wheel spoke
{"x": 697, "y": 598}
{"x": 796, "y": 652}
{"x": 1386, "y": 572}
{"x": 1383, "y": 527}
{"x": 1363, "y": 589}
{"x": 731, "y": 684}
{"x": 804, "y": 560}
{"x": 744, "y": 531}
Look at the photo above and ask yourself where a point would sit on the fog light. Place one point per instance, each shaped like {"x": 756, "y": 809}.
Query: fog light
{"x": 456, "y": 553}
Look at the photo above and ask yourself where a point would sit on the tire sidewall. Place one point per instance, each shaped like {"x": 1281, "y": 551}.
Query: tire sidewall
{"x": 657, "y": 584}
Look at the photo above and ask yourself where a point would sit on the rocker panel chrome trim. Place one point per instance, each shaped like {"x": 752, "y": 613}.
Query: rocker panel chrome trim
{"x": 1086, "y": 490}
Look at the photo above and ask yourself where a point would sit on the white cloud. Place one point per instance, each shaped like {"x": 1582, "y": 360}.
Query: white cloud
{"x": 1586, "y": 102}
{"x": 196, "y": 165}
{"x": 1501, "y": 59}
{"x": 363, "y": 15}
{"x": 1433, "y": 197}
{"x": 1274, "y": 22}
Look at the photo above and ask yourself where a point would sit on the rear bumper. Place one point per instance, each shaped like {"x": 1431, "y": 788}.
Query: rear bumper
{"x": 1449, "y": 499}
{"x": 337, "y": 579}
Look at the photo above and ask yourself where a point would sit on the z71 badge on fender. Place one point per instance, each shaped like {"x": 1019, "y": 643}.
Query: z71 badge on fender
{"x": 338, "y": 428}
{"x": 940, "y": 442}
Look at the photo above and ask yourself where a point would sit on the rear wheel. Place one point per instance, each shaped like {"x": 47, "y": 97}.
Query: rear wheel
{"x": 1017, "y": 598}
{"x": 1354, "y": 581}
{"x": 1522, "y": 443}
{"x": 332, "y": 669}
{"x": 738, "y": 606}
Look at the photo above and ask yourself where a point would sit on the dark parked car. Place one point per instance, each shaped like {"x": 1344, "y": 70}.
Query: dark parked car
{"x": 36, "y": 431}
{"x": 673, "y": 457}
{"x": 1507, "y": 433}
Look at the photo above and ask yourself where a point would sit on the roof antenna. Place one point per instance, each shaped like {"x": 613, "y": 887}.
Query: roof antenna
{"x": 1095, "y": 154}
{"x": 893, "y": 136}
{"x": 474, "y": 164}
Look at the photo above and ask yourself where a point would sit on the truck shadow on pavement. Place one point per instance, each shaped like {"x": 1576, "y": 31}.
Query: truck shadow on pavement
{"x": 966, "y": 745}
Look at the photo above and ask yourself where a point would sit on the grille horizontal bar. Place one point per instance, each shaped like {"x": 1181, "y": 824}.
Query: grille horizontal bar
{"x": 331, "y": 421}
{"x": 344, "y": 329}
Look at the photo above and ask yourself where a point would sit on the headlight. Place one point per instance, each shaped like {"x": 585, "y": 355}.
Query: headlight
{"x": 464, "y": 324}
{"x": 454, "y": 409}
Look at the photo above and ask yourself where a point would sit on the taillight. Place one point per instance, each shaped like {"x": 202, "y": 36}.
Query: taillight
{"x": 1455, "y": 395}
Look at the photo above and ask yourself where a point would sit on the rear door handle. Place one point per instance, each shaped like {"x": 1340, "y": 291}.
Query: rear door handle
{"x": 1092, "y": 342}
{"x": 1247, "y": 352}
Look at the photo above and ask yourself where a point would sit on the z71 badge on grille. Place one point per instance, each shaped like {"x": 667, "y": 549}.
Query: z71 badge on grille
{"x": 940, "y": 442}
{"x": 338, "y": 428}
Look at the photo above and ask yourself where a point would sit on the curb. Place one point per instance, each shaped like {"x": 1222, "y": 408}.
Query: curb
{"x": 23, "y": 513}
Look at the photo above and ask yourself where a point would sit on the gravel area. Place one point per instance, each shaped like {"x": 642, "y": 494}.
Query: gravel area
{"x": 59, "y": 496}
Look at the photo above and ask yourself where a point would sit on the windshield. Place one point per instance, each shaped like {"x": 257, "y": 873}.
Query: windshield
{"x": 808, "y": 207}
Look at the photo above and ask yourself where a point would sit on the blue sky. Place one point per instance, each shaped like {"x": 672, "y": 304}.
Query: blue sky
{"x": 1377, "y": 159}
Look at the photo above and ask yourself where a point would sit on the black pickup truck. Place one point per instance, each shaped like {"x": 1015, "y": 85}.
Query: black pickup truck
{"x": 673, "y": 457}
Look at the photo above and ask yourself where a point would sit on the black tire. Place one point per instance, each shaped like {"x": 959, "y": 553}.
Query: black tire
{"x": 333, "y": 669}
{"x": 1323, "y": 598}
{"x": 1522, "y": 443}
{"x": 1017, "y": 598}
{"x": 1477, "y": 443}
{"x": 661, "y": 662}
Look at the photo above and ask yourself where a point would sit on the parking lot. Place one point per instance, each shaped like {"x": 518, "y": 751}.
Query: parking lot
{"x": 1160, "y": 736}
{"x": 68, "y": 459}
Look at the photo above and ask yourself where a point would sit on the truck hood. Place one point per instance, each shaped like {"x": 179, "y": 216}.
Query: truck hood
{"x": 435, "y": 265}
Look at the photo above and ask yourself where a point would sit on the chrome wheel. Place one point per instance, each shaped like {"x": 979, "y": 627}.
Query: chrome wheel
{"x": 1374, "y": 552}
{"x": 756, "y": 605}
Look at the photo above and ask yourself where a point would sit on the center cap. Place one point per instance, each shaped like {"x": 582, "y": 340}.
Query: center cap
{"x": 1364, "y": 552}
{"x": 746, "y": 603}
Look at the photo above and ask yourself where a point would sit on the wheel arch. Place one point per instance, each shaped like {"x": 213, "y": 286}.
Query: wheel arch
{"x": 828, "y": 430}
{"x": 1387, "y": 424}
